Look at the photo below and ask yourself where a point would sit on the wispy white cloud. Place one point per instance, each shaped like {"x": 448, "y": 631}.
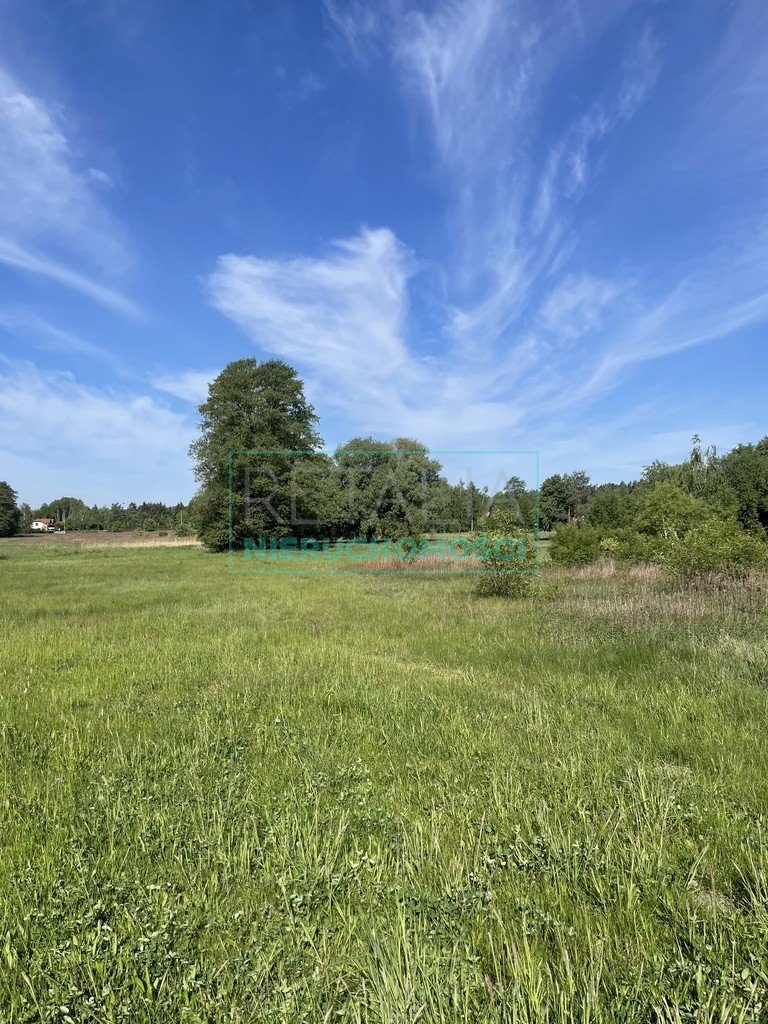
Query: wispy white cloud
{"x": 53, "y": 220}
{"x": 103, "y": 444}
{"x": 357, "y": 24}
{"x": 566, "y": 172}
{"x": 575, "y": 306}
{"x": 188, "y": 385}
{"x": 342, "y": 319}
{"x": 28, "y": 326}
{"x": 531, "y": 329}
{"x": 716, "y": 295}
{"x": 480, "y": 71}
{"x": 14, "y": 256}
{"x": 340, "y": 316}
{"x": 472, "y": 63}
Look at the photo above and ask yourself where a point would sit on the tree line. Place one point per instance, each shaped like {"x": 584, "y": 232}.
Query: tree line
{"x": 735, "y": 485}
{"x": 69, "y": 513}
{"x": 262, "y": 472}
{"x": 705, "y": 516}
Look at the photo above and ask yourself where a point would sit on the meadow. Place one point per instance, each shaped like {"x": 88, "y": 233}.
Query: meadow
{"x": 377, "y": 797}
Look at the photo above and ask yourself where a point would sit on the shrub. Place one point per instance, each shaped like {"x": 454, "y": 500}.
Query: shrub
{"x": 492, "y": 583}
{"x": 633, "y": 548}
{"x": 508, "y": 556}
{"x": 715, "y": 547}
{"x": 575, "y": 545}
{"x": 668, "y": 511}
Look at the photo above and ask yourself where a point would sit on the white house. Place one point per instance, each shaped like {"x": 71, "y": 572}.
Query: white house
{"x": 43, "y": 524}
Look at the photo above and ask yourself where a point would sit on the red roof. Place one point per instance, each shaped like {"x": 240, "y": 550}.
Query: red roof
{"x": 48, "y": 522}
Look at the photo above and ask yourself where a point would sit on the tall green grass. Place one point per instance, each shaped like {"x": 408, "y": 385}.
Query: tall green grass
{"x": 377, "y": 798}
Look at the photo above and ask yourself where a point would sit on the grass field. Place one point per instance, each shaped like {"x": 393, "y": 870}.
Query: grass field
{"x": 356, "y": 797}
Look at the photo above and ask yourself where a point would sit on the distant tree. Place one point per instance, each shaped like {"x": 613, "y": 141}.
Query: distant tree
{"x": 516, "y": 498}
{"x": 716, "y": 545}
{"x": 554, "y": 502}
{"x": 702, "y": 474}
{"x": 250, "y": 406}
{"x": 564, "y": 498}
{"x": 613, "y": 506}
{"x": 70, "y": 512}
{"x": 745, "y": 471}
{"x": 658, "y": 472}
{"x": 10, "y": 515}
{"x": 444, "y": 508}
{"x": 26, "y": 516}
{"x": 477, "y": 506}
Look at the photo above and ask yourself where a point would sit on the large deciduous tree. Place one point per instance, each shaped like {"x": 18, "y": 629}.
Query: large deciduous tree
{"x": 251, "y": 407}
{"x": 387, "y": 487}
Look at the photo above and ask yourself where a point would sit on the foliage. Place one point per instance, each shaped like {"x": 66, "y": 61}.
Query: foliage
{"x": 735, "y": 484}
{"x": 69, "y": 511}
{"x": 575, "y": 544}
{"x": 75, "y": 514}
{"x": 613, "y": 507}
{"x": 679, "y": 532}
{"x": 668, "y": 511}
{"x": 10, "y": 516}
{"x": 251, "y": 407}
{"x": 745, "y": 470}
{"x": 518, "y": 499}
{"x": 508, "y": 556}
{"x": 634, "y": 548}
{"x": 369, "y": 488}
{"x": 386, "y": 487}
{"x": 564, "y": 498}
{"x": 715, "y": 547}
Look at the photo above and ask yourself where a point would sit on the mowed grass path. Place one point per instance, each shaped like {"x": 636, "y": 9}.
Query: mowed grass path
{"x": 376, "y": 798}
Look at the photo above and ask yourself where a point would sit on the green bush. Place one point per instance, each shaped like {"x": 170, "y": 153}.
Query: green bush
{"x": 668, "y": 511}
{"x": 715, "y": 547}
{"x": 508, "y": 556}
{"x": 575, "y": 544}
{"x": 633, "y": 548}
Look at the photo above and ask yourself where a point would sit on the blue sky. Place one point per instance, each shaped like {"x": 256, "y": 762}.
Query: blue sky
{"x": 487, "y": 224}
